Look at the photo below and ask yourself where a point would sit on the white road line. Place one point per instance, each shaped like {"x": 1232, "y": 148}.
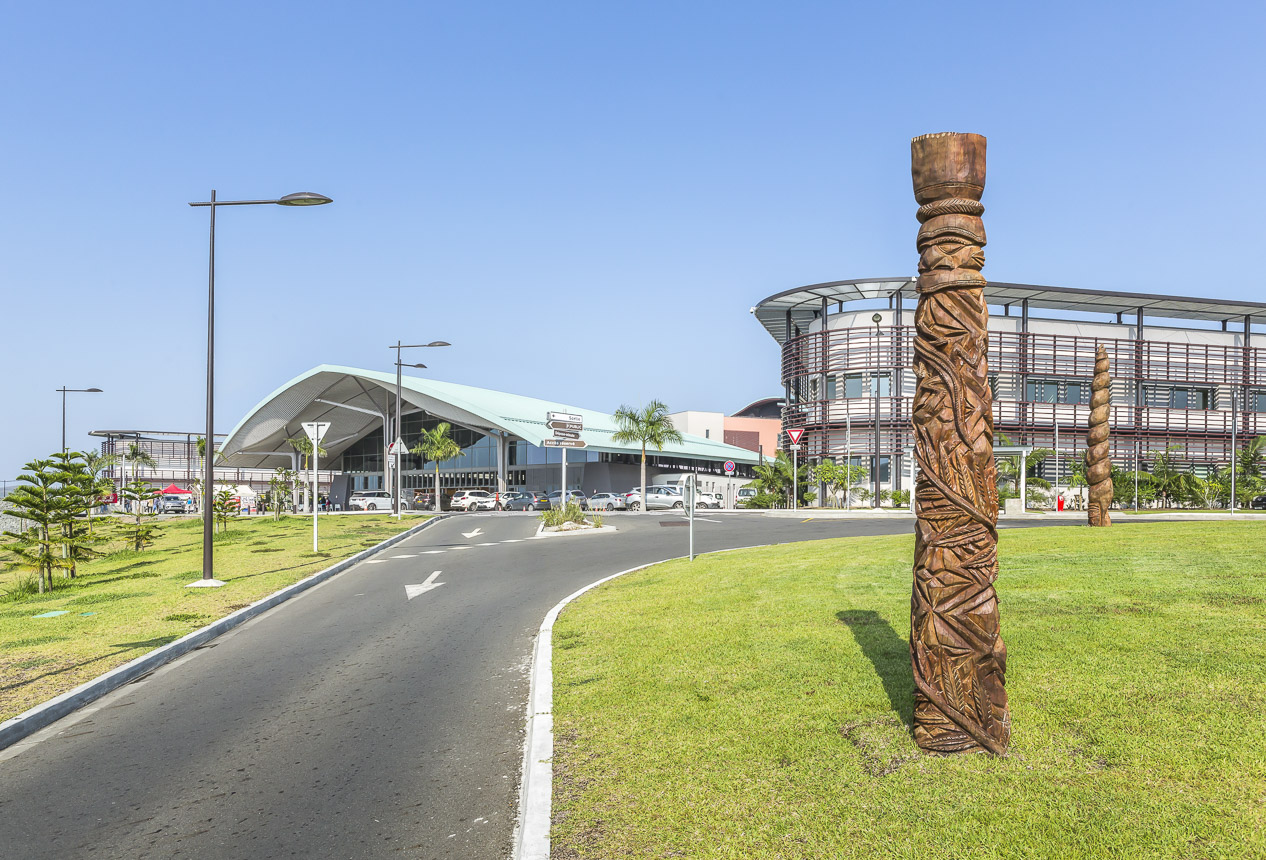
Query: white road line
{"x": 494, "y": 543}
{"x": 513, "y": 540}
{"x": 376, "y": 561}
{"x": 456, "y": 548}
{"x": 404, "y": 556}
{"x": 432, "y": 552}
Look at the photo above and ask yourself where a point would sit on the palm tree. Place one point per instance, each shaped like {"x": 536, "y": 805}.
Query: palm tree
{"x": 435, "y": 444}
{"x": 303, "y": 445}
{"x": 649, "y": 425}
{"x": 96, "y": 463}
{"x": 140, "y": 457}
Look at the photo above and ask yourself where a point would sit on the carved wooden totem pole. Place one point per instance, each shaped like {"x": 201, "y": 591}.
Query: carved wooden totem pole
{"x": 960, "y": 703}
{"x": 1098, "y": 465}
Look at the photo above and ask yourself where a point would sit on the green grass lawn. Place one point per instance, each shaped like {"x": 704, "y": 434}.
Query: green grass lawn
{"x": 755, "y": 705}
{"x": 127, "y": 603}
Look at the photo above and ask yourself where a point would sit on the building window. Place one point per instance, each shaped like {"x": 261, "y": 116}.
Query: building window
{"x": 1056, "y": 391}
{"x": 1188, "y": 398}
{"x": 832, "y": 388}
{"x": 853, "y": 385}
{"x": 884, "y": 381}
{"x": 1257, "y": 401}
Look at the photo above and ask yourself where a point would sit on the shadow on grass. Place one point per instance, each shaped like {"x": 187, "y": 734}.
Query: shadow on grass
{"x": 888, "y": 653}
{"x": 122, "y": 648}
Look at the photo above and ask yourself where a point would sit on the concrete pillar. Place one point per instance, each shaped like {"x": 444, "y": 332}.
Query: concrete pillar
{"x": 503, "y": 451}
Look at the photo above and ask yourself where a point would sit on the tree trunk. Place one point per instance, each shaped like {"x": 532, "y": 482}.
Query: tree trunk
{"x": 956, "y": 651}
{"x": 645, "y": 489}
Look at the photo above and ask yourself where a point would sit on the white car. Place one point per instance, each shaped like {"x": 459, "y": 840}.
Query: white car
{"x": 745, "y": 495}
{"x": 472, "y": 500}
{"x": 370, "y": 500}
{"x": 607, "y": 502}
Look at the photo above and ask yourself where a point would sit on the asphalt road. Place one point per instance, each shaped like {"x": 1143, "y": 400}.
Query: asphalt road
{"x": 352, "y": 721}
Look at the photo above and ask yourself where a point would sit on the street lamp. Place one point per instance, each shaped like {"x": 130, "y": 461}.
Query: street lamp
{"x": 399, "y": 422}
{"x": 302, "y": 198}
{"x": 63, "y": 390}
{"x": 876, "y": 320}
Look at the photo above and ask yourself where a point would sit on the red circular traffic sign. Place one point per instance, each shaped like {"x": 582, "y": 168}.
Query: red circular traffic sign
{"x": 729, "y": 467}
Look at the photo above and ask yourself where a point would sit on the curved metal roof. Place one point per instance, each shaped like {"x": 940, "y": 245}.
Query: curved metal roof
{"x": 354, "y": 400}
{"x": 805, "y": 303}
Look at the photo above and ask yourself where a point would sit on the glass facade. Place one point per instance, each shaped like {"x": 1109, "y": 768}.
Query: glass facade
{"x": 476, "y": 468}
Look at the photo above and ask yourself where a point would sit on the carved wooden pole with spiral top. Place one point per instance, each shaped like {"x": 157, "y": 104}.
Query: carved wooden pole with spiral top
{"x": 1098, "y": 464}
{"x": 957, "y": 653}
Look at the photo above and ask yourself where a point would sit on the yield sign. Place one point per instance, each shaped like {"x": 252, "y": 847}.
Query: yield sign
{"x": 316, "y": 430}
{"x": 795, "y": 435}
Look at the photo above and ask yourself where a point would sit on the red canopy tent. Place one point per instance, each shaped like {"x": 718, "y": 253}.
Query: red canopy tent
{"x": 172, "y": 490}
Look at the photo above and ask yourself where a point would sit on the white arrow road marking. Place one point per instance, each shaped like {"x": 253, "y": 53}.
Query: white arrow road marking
{"x": 475, "y": 533}
{"x": 412, "y": 591}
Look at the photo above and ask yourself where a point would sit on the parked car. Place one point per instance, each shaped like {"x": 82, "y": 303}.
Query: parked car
{"x": 658, "y": 497}
{"x": 576, "y": 496}
{"x": 473, "y": 500}
{"x": 503, "y": 499}
{"x": 745, "y": 495}
{"x": 607, "y": 502}
{"x": 708, "y": 500}
{"x": 1258, "y": 503}
{"x": 529, "y": 502}
{"x": 370, "y": 500}
{"x": 172, "y": 505}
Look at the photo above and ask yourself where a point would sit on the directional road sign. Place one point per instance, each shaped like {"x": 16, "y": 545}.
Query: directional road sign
{"x": 564, "y": 443}
{"x": 566, "y": 434}
{"x": 565, "y": 425}
{"x": 316, "y": 430}
{"x": 564, "y": 416}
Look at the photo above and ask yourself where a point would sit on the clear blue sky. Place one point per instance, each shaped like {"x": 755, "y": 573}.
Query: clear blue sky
{"x": 584, "y": 198}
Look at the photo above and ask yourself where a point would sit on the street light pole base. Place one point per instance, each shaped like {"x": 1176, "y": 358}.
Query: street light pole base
{"x": 205, "y": 583}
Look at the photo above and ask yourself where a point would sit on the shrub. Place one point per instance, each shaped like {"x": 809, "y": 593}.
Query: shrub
{"x": 568, "y": 513}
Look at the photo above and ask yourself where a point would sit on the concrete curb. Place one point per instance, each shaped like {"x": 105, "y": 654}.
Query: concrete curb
{"x": 531, "y": 841}
{"x": 25, "y": 724}
{"x": 531, "y": 837}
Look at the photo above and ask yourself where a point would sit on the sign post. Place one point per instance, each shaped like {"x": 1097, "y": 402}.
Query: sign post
{"x": 795, "y": 435}
{"x": 395, "y": 451}
{"x": 316, "y": 432}
{"x": 692, "y": 483}
{"x": 566, "y": 428}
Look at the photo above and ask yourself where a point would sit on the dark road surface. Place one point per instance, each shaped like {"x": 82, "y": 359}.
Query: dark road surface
{"x": 350, "y": 722}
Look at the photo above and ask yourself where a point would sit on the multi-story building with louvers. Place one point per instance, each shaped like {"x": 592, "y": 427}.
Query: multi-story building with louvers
{"x": 1187, "y": 373}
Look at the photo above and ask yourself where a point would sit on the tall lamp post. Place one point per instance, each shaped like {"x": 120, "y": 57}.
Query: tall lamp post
{"x": 302, "y": 198}
{"x": 63, "y": 390}
{"x": 397, "y": 502}
{"x": 876, "y": 320}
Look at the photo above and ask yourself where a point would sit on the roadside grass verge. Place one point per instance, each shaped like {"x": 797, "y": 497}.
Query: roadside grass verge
{"x": 756, "y": 704}
{"x": 127, "y": 603}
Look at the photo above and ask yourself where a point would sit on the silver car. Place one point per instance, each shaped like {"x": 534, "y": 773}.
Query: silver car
{"x": 555, "y": 498}
{"x": 607, "y": 502}
{"x": 658, "y": 497}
